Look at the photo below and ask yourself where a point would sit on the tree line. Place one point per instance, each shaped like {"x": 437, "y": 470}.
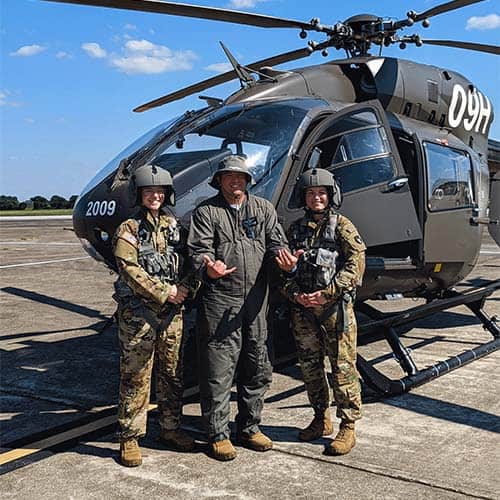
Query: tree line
{"x": 37, "y": 202}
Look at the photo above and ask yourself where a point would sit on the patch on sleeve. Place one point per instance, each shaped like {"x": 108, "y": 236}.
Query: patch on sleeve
{"x": 129, "y": 237}
{"x": 358, "y": 240}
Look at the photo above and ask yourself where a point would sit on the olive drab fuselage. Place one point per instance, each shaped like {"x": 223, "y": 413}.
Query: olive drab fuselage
{"x": 408, "y": 143}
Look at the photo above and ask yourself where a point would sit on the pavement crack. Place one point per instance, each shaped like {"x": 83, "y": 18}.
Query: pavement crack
{"x": 379, "y": 471}
{"x": 73, "y": 405}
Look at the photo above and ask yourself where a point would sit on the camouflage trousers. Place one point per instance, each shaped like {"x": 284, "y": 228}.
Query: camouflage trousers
{"x": 140, "y": 345}
{"x": 339, "y": 344}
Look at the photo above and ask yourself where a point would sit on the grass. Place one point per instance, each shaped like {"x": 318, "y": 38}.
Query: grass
{"x": 49, "y": 211}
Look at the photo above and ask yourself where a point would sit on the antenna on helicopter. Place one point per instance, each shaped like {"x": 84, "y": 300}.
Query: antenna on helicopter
{"x": 246, "y": 79}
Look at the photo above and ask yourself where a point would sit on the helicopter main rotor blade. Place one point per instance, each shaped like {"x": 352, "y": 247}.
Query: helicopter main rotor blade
{"x": 186, "y": 10}
{"x": 444, "y": 7}
{"x": 222, "y": 78}
{"x": 480, "y": 47}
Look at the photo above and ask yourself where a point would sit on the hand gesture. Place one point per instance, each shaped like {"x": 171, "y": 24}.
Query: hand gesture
{"x": 314, "y": 299}
{"x": 286, "y": 261}
{"x": 217, "y": 269}
{"x": 177, "y": 294}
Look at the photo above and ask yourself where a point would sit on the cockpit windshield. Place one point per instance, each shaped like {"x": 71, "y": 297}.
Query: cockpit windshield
{"x": 137, "y": 144}
{"x": 262, "y": 133}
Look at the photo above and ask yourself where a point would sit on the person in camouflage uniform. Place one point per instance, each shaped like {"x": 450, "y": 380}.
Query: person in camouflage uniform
{"x": 149, "y": 293}
{"x": 326, "y": 266}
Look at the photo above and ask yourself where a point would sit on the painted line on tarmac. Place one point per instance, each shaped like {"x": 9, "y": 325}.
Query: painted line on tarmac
{"x": 39, "y": 243}
{"x": 43, "y": 262}
{"x": 34, "y": 217}
{"x": 51, "y": 441}
{"x": 493, "y": 252}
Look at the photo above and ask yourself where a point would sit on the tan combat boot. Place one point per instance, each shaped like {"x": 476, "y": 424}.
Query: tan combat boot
{"x": 222, "y": 450}
{"x": 178, "y": 439}
{"x": 321, "y": 425}
{"x": 257, "y": 442}
{"x": 130, "y": 453}
{"x": 344, "y": 441}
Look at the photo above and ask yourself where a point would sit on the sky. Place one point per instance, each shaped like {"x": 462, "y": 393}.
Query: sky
{"x": 70, "y": 75}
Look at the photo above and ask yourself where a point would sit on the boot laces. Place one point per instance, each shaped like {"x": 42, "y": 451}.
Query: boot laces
{"x": 131, "y": 443}
{"x": 343, "y": 434}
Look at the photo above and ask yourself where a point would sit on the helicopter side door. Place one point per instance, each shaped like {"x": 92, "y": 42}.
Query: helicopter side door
{"x": 450, "y": 234}
{"x": 357, "y": 145}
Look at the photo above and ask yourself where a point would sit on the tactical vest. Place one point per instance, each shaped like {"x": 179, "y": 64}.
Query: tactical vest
{"x": 164, "y": 266}
{"x": 322, "y": 256}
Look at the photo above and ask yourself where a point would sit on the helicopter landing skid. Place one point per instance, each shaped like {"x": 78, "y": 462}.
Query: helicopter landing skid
{"x": 383, "y": 324}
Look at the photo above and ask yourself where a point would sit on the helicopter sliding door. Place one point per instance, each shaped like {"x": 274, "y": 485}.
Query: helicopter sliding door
{"x": 450, "y": 234}
{"x": 357, "y": 146}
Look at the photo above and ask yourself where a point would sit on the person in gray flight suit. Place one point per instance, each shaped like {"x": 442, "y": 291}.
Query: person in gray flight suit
{"x": 147, "y": 249}
{"x": 233, "y": 235}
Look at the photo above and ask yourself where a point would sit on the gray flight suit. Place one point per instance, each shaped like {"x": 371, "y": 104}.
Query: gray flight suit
{"x": 148, "y": 262}
{"x": 232, "y": 327}
{"x": 329, "y": 329}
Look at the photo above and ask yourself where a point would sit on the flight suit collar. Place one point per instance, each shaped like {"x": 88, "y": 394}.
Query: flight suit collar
{"x": 225, "y": 203}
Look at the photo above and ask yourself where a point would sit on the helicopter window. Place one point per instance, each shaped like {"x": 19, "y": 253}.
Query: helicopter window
{"x": 364, "y": 173}
{"x": 357, "y": 148}
{"x": 349, "y": 123}
{"x": 449, "y": 177}
{"x": 361, "y": 144}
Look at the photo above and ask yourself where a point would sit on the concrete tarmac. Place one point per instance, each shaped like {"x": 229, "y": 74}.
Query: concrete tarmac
{"x": 59, "y": 365}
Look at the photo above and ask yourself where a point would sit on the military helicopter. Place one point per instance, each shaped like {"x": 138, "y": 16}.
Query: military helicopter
{"x": 408, "y": 142}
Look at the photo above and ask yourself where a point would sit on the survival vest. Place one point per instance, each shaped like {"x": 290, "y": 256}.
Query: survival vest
{"x": 322, "y": 255}
{"x": 164, "y": 266}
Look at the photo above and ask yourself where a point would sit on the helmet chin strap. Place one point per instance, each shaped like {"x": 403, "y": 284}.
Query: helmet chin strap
{"x": 318, "y": 212}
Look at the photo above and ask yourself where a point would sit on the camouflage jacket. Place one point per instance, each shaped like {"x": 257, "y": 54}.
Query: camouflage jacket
{"x": 148, "y": 254}
{"x": 334, "y": 257}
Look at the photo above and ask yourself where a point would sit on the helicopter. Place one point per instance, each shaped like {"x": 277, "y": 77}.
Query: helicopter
{"x": 408, "y": 143}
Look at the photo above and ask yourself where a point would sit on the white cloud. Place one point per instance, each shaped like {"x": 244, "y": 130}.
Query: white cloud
{"x": 6, "y": 99}
{"x": 94, "y": 50}
{"x": 63, "y": 55}
{"x": 28, "y": 50}
{"x": 219, "y": 67}
{"x": 244, "y": 4}
{"x": 490, "y": 22}
{"x": 130, "y": 26}
{"x": 145, "y": 57}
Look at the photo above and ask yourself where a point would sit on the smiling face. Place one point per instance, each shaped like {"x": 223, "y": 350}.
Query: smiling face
{"x": 317, "y": 198}
{"x": 233, "y": 186}
{"x": 153, "y": 198}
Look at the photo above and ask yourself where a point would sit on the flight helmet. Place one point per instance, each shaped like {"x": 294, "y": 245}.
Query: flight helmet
{"x": 231, "y": 163}
{"x": 318, "y": 177}
{"x": 154, "y": 175}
